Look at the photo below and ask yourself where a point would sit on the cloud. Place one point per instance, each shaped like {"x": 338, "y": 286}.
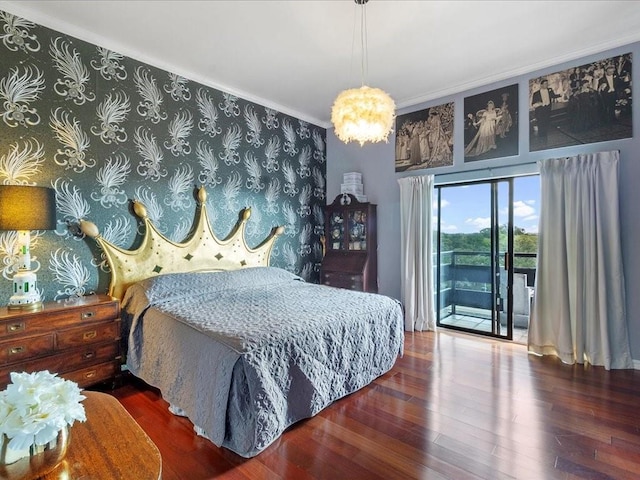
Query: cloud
{"x": 479, "y": 222}
{"x": 523, "y": 209}
{"x": 449, "y": 228}
{"x": 443, "y": 204}
{"x": 531, "y": 218}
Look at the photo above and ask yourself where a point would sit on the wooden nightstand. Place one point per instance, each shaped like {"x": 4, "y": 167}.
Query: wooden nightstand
{"x": 79, "y": 339}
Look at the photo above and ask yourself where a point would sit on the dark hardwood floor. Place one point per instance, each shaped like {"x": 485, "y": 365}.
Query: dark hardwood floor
{"x": 453, "y": 407}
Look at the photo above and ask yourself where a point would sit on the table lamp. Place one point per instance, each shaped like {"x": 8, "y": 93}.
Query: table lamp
{"x": 24, "y": 208}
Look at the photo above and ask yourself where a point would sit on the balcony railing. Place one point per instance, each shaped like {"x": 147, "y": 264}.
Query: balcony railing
{"x": 465, "y": 279}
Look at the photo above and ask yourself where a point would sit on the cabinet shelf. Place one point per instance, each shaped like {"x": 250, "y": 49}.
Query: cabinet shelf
{"x": 351, "y": 248}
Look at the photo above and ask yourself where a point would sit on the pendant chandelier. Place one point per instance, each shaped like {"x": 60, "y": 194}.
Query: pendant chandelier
{"x": 363, "y": 114}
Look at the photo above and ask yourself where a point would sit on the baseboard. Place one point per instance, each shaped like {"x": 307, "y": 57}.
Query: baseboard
{"x": 636, "y": 364}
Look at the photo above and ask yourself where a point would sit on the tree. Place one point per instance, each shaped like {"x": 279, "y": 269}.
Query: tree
{"x": 480, "y": 242}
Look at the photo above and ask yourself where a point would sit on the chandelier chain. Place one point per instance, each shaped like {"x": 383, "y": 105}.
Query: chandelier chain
{"x": 362, "y": 114}
{"x": 364, "y": 62}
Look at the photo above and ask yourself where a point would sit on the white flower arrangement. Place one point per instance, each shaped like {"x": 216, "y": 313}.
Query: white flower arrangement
{"x": 36, "y": 406}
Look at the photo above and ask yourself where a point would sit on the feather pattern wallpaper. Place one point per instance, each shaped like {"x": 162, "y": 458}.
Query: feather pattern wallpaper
{"x": 103, "y": 129}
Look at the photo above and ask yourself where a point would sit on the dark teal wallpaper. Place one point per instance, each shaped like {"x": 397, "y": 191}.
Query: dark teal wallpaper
{"x": 103, "y": 129}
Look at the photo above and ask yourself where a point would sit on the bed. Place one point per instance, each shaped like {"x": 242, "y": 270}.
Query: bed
{"x": 241, "y": 348}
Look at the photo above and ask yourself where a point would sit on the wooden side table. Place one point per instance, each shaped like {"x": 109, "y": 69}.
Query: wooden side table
{"x": 109, "y": 445}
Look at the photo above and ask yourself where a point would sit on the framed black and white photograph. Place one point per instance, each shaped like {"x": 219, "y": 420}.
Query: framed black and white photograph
{"x": 586, "y": 104}
{"x": 491, "y": 124}
{"x": 424, "y": 139}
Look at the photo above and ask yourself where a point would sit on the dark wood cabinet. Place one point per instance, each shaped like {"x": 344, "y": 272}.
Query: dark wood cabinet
{"x": 351, "y": 249}
{"x": 78, "y": 339}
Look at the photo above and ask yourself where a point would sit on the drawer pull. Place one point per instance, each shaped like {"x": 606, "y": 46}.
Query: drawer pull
{"x": 86, "y": 315}
{"x": 89, "y": 335}
{"x": 89, "y": 355}
{"x": 15, "y": 327}
{"x": 90, "y": 374}
{"x": 16, "y": 350}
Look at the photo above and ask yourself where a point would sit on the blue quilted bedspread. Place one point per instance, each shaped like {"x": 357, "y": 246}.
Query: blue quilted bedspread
{"x": 245, "y": 354}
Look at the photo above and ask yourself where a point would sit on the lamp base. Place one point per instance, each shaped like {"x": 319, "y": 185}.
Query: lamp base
{"x": 25, "y": 292}
{"x": 25, "y": 307}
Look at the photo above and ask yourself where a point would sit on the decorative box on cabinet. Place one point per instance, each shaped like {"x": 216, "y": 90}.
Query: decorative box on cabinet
{"x": 351, "y": 250}
{"x": 78, "y": 339}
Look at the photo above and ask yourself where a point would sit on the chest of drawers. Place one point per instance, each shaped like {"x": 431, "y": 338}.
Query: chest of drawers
{"x": 351, "y": 281}
{"x": 79, "y": 339}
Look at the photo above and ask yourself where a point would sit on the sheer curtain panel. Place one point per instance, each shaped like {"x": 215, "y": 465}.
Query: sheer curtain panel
{"x": 579, "y": 304}
{"x": 416, "y": 244}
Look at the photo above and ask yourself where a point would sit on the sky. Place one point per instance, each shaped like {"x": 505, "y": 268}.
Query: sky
{"x": 467, "y": 209}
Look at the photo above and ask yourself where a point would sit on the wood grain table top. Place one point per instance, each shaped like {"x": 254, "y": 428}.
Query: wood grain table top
{"x": 109, "y": 445}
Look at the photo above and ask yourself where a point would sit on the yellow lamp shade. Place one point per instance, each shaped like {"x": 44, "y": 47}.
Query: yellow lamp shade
{"x": 25, "y": 207}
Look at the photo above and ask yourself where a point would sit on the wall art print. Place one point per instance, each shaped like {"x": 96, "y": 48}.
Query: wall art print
{"x": 424, "y": 139}
{"x": 103, "y": 129}
{"x": 586, "y": 104}
{"x": 491, "y": 124}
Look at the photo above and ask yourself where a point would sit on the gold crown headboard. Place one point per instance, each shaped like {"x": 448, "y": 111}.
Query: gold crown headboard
{"x": 202, "y": 252}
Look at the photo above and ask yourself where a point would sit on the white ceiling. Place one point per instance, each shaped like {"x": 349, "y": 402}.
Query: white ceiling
{"x": 297, "y": 55}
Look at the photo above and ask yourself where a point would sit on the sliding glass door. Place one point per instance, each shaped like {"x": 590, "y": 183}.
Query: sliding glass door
{"x": 475, "y": 257}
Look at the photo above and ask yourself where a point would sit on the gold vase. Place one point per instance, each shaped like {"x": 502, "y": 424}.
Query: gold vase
{"x": 36, "y": 461}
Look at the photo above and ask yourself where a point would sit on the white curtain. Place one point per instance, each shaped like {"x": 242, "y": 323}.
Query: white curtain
{"x": 416, "y": 280}
{"x": 579, "y": 304}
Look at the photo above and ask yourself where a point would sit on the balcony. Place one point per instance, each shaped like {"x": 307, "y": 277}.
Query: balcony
{"x": 465, "y": 297}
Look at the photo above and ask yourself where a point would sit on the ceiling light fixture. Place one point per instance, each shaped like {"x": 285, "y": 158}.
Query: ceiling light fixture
{"x": 363, "y": 114}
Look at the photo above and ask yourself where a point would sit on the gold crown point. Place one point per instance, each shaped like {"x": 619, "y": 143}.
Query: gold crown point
{"x": 202, "y": 195}
{"x": 89, "y": 228}
{"x": 139, "y": 209}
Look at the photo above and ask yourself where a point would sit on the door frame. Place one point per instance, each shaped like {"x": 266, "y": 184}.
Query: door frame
{"x": 497, "y": 301}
